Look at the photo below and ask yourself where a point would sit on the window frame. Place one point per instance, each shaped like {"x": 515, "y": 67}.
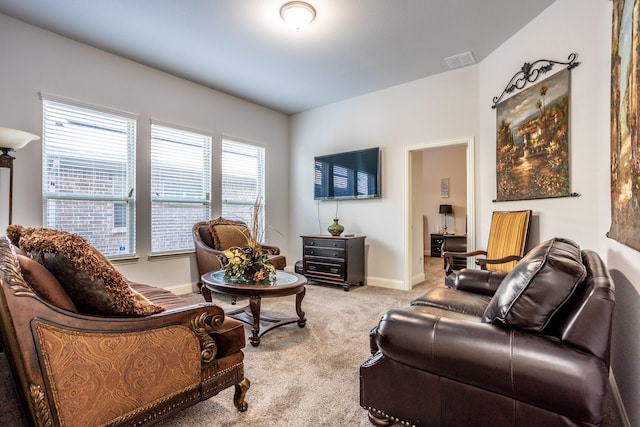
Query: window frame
{"x": 205, "y": 201}
{"x": 259, "y": 194}
{"x": 58, "y": 112}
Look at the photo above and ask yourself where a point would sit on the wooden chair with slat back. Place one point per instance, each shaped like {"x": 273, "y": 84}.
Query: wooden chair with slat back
{"x": 505, "y": 247}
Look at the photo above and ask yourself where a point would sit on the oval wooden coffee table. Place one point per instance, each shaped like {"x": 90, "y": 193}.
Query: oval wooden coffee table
{"x": 285, "y": 284}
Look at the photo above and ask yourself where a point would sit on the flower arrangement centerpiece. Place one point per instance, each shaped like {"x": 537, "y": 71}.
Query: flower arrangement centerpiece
{"x": 250, "y": 263}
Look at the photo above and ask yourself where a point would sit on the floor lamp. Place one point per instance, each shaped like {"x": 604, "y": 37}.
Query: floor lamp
{"x": 10, "y": 140}
{"x": 446, "y": 210}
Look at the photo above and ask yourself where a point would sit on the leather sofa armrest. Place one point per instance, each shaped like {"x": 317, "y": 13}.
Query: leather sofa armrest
{"x": 278, "y": 261}
{"x": 528, "y": 367}
{"x": 483, "y": 282}
{"x": 201, "y": 246}
{"x": 270, "y": 249}
{"x": 207, "y": 259}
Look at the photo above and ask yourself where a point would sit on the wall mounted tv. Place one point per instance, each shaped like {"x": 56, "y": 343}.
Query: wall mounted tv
{"x": 349, "y": 175}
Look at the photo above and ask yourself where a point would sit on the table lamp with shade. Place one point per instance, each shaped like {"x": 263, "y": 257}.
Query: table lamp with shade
{"x": 10, "y": 140}
{"x": 446, "y": 210}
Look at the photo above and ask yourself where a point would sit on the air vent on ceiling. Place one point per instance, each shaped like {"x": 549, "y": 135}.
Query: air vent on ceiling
{"x": 460, "y": 60}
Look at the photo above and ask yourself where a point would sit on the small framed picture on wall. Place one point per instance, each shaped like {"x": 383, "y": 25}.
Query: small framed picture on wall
{"x": 444, "y": 187}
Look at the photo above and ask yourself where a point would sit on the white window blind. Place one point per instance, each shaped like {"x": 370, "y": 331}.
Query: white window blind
{"x": 180, "y": 186}
{"x": 242, "y": 181}
{"x": 88, "y": 174}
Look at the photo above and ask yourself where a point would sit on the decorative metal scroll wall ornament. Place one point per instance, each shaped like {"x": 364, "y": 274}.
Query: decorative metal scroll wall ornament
{"x": 530, "y": 72}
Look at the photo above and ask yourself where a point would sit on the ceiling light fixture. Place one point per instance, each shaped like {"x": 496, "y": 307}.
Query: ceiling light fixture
{"x": 297, "y": 14}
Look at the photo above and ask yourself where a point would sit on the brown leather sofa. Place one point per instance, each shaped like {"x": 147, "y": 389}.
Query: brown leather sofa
{"x": 531, "y": 349}
{"x": 76, "y": 368}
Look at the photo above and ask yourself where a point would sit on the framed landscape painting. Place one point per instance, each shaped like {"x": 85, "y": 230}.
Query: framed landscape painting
{"x": 532, "y": 141}
{"x": 625, "y": 110}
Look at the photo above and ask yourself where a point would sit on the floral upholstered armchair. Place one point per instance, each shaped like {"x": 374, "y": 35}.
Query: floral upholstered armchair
{"x": 213, "y": 237}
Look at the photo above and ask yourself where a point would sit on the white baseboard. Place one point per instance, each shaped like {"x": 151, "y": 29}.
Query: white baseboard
{"x": 384, "y": 283}
{"x": 617, "y": 399}
{"x": 417, "y": 279}
{"x": 184, "y": 288}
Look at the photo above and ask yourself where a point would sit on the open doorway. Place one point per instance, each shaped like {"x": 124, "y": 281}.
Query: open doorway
{"x": 414, "y": 204}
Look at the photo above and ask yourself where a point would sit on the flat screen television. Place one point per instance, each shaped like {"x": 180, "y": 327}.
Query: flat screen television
{"x": 348, "y": 175}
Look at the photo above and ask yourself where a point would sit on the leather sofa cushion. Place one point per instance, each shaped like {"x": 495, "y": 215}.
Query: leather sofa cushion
{"x": 279, "y": 261}
{"x": 159, "y": 296}
{"x": 484, "y": 282}
{"x": 229, "y": 337}
{"x": 538, "y": 286}
{"x": 459, "y": 301}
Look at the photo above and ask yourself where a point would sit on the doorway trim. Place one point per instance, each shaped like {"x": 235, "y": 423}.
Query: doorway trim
{"x": 408, "y": 199}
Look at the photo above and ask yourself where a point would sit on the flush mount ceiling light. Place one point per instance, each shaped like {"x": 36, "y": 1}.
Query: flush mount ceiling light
{"x": 297, "y": 14}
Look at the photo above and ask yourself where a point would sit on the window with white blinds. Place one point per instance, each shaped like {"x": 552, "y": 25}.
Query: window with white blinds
{"x": 242, "y": 181}
{"x": 180, "y": 186}
{"x": 88, "y": 174}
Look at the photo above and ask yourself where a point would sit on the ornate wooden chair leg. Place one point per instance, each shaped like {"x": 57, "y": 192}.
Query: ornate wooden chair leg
{"x": 238, "y": 396}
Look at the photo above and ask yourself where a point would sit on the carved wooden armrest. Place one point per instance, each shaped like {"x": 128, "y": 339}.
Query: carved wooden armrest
{"x": 482, "y": 262}
{"x": 448, "y": 257}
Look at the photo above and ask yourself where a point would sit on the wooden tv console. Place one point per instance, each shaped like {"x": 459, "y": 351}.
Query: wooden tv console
{"x": 337, "y": 260}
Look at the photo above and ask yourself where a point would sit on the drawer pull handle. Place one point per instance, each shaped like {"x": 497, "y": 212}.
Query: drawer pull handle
{"x": 311, "y": 252}
{"x": 311, "y": 243}
{"x": 334, "y": 270}
{"x": 311, "y": 267}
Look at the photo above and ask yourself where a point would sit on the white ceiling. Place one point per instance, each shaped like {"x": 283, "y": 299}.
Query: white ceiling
{"x": 241, "y": 47}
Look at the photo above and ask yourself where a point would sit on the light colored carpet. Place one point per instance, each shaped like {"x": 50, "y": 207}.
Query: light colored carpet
{"x": 299, "y": 376}
{"x": 305, "y": 376}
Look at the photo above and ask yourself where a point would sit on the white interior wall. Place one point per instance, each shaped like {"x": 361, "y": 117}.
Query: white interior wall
{"x": 438, "y": 108}
{"x": 34, "y": 60}
{"x": 566, "y": 26}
